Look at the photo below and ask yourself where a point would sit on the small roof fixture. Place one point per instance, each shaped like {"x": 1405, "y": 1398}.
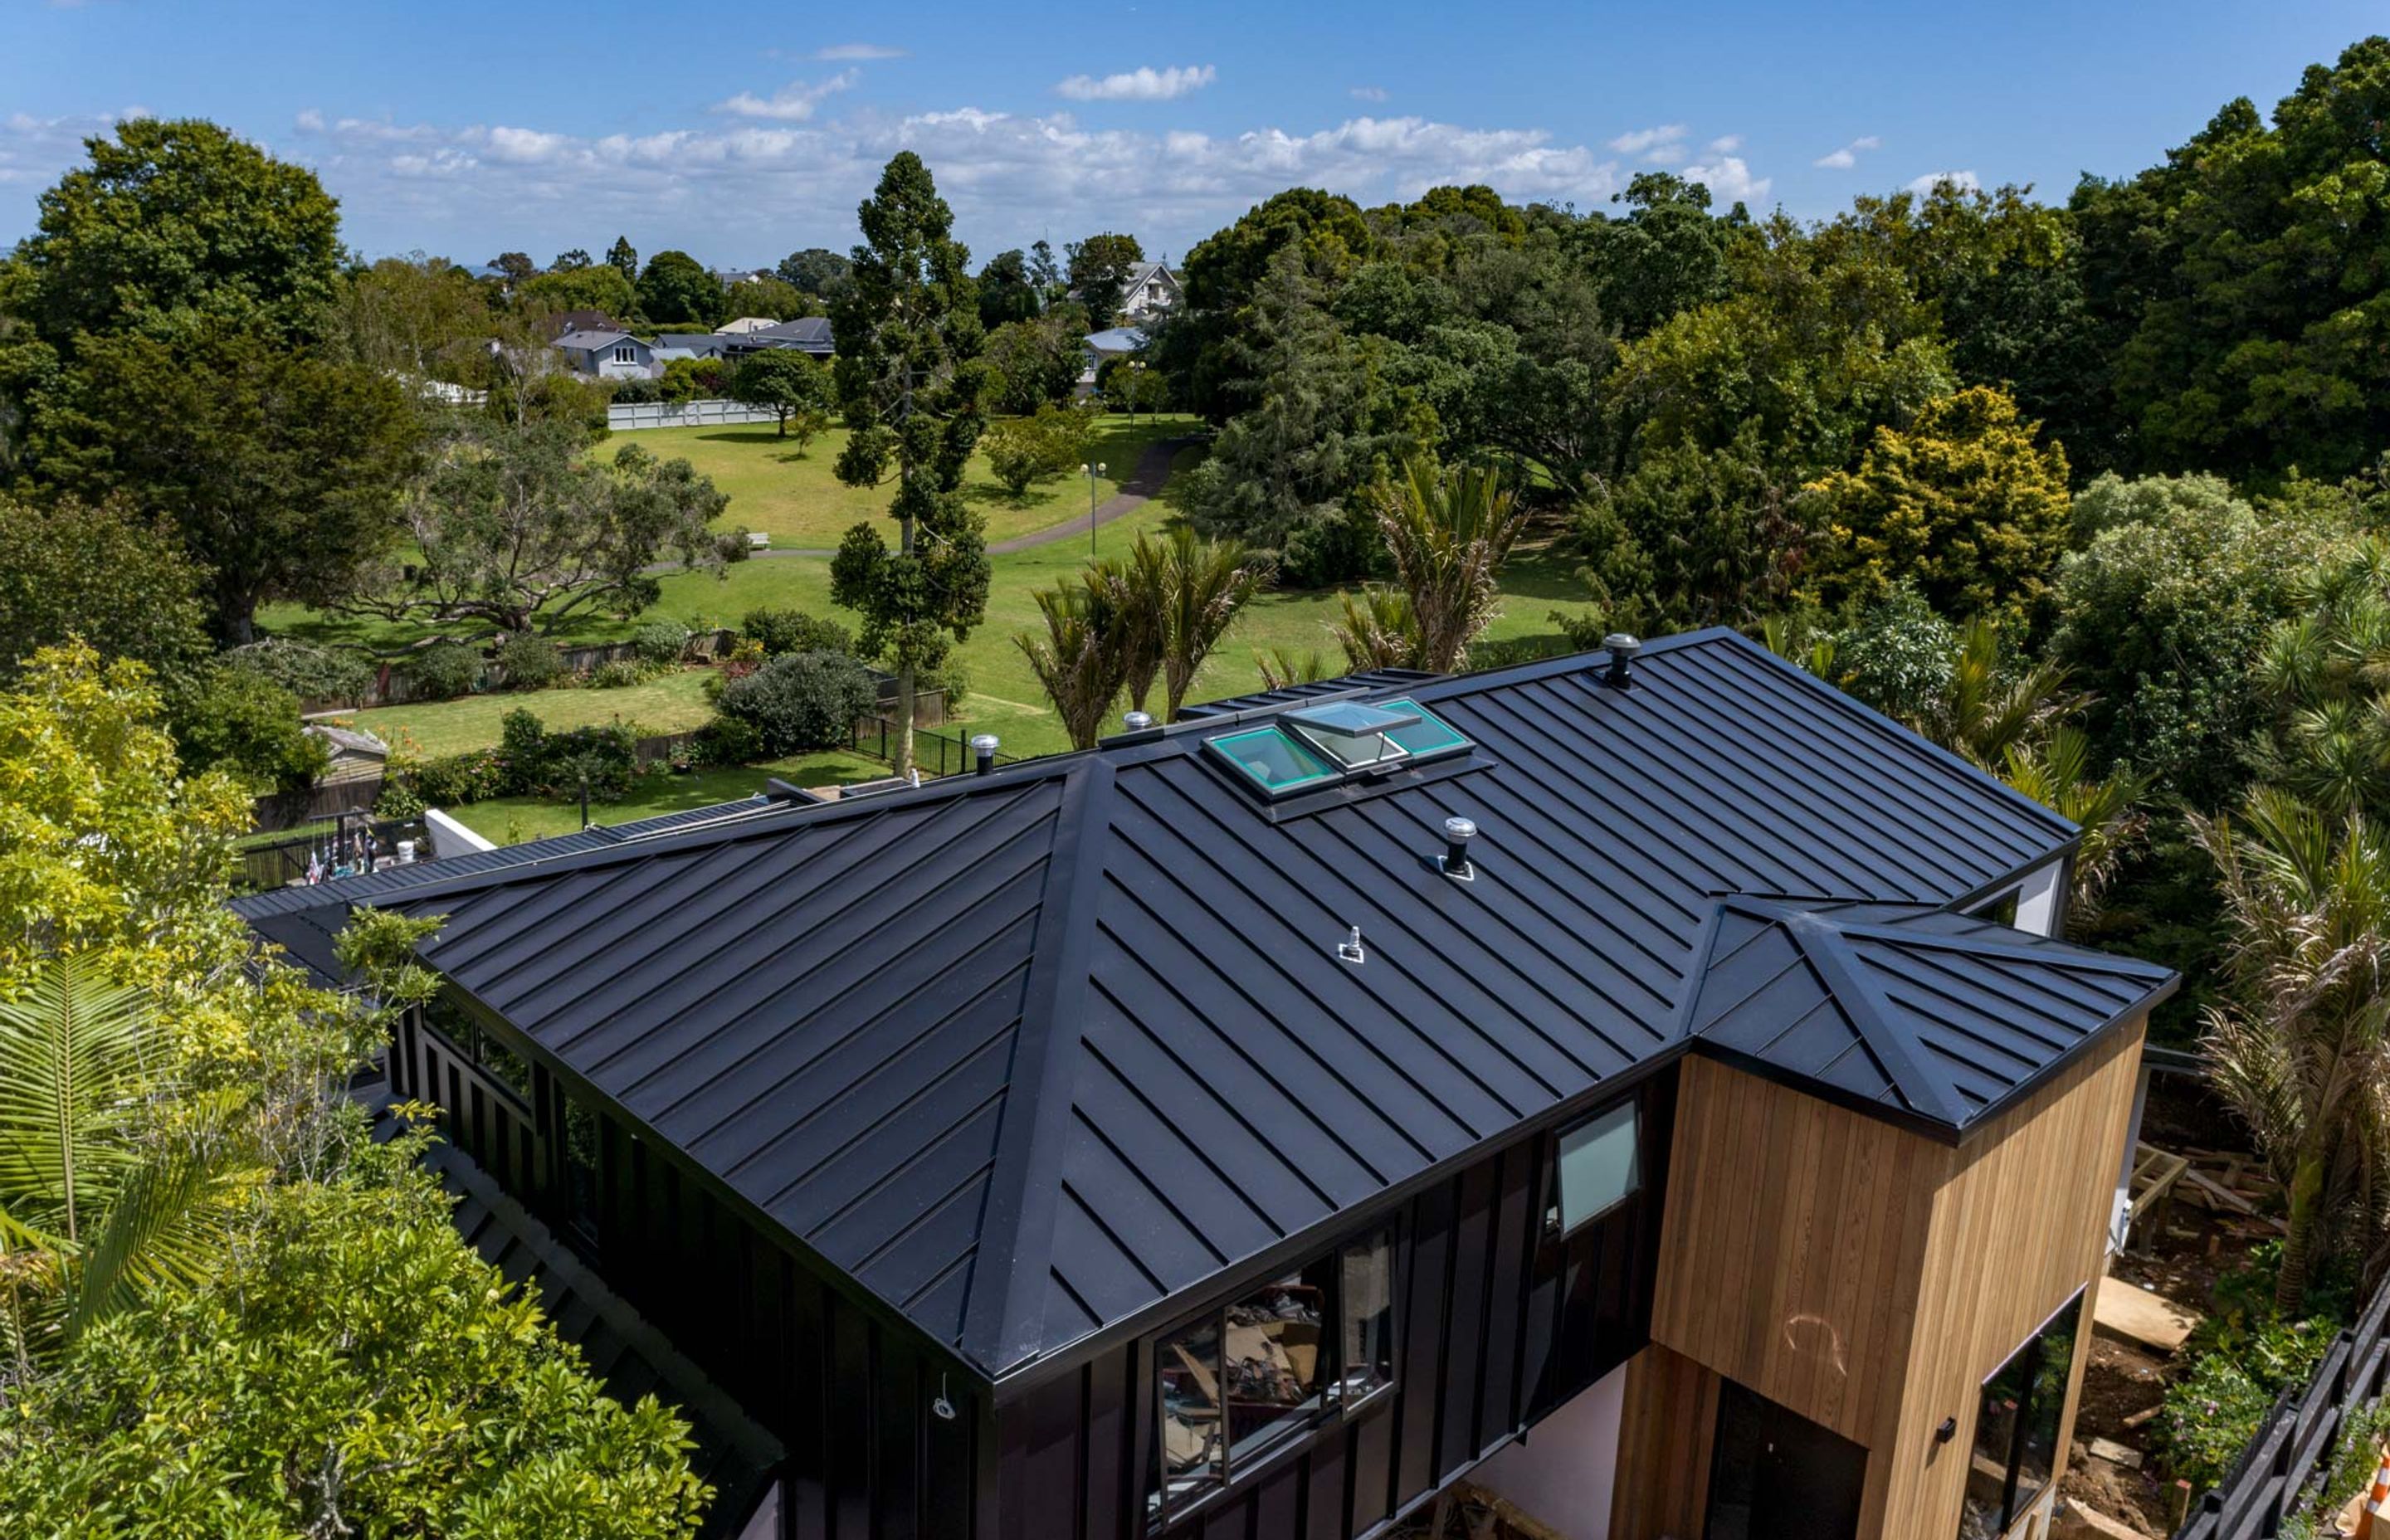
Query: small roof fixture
{"x": 1339, "y": 740}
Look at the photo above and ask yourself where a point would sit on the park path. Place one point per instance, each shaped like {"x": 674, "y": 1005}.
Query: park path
{"x": 1141, "y": 486}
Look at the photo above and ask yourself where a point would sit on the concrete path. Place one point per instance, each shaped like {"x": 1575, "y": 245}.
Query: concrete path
{"x": 1141, "y": 486}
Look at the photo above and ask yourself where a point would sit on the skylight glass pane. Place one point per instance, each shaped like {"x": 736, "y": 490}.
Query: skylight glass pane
{"x": 1430, "y": 735}
{"x": 1272, "y": 761}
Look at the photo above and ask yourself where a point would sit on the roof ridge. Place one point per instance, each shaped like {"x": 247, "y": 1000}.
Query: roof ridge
{"x": 2048, "y": 951}
{"x": 1004, "y": 1321}
{"x": 1829, "y": 952}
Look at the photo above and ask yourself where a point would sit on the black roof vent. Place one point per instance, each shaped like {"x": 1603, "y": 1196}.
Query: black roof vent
{"x": 1622, "y": 649}
{"x": 1458, "y": 832}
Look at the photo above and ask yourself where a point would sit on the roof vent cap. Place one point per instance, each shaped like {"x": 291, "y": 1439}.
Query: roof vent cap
{"x": 1623, "y": 648}
{"x": 1458, "y": 832}
{"x": 1137, "y": 722}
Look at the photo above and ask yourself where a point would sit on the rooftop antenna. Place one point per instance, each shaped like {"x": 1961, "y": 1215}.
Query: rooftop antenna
{"x": 1350, "y": 947}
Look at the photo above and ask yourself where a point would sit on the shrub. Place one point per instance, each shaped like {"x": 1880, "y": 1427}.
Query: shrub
{"x": 639, "y": 392}
{"x": 458, "y": 779}
{"x": 1899, "y": 655}
{"x": 232, "y": 719}
{"x": 950, "y": 677}
{"x": 444, "y": 669}
{"x": 309, "y": 672}
{"x": 1024, "y": 450}
{"x": 801, "y": 700}
{"x": 531, "y": 760}
{"x": 661, "y": 642}
{"x": 727, "y": 741}
{"x": 779, "y": 631}
{"x": 532, "y": 662}
{"x": 618, "y": 673}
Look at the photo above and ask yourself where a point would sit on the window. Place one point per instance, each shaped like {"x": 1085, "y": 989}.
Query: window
{"x": 2016, "y": 1428}
{"x": 1999, "y": 911}
{"x": 1600, "y": 1165}
{"x": 1236, "y": 1383}
{"x": 1316, "y": 746}
{"x": 625, "y": 355}
{"x": 476, "y": 1046}
{"x": 580, "y": 1168}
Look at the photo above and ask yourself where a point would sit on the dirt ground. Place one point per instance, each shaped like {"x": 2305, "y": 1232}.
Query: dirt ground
{"x": 2179, "y": 1253}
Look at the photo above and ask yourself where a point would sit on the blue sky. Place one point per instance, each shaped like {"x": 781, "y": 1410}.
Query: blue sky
{"x": 742, "y": 133}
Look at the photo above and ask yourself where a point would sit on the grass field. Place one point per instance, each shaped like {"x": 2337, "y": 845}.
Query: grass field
{"x": 799, "y": 501}
{"x": 675, "y": 704}
{"x": 1004, "y": 696}
{"x": 506, "y": 820}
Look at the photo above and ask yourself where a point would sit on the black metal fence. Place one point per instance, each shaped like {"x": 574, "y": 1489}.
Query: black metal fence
{"x": 935, "y": 753}
{"x": 2293, "y": 1455}
{"x": 329, "y": 848}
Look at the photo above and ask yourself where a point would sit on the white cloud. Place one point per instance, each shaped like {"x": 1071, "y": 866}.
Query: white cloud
{"x": 1965, "y": 181}
{"x": 1848, "y": 155}
{"x": 1729, "y": 180}
{"x": 838, "y": 52}
{"x": 34, "y": 152}
{"x": 794, "y": 103}
{"x": 1656, "y": 143}
{"x": 1143, "y": 84}
{"x": 1370, "y": 93}
{"x": 1726, "y": 144}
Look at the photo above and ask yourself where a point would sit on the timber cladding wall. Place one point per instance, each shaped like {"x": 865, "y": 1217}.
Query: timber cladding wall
{"x": 1863, "y": 1275}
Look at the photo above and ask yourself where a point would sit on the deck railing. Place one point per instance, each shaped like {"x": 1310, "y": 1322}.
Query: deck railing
{"x": 2292, "y": 1455}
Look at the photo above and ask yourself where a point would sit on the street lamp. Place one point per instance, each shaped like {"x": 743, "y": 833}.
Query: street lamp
{"x": 1136, "y": 376}
{"x": 1093, "y": 471}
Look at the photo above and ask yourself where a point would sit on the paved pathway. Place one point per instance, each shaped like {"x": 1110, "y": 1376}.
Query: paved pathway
{"x": 1141, "y": 486}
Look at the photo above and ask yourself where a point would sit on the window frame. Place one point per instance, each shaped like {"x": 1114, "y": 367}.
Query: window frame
{"x": 1556, "y": 1226}
{"x": 1329, "y": 1406}
{"x": 2001, "y": 907}
{"x": 2014, "y": 1502}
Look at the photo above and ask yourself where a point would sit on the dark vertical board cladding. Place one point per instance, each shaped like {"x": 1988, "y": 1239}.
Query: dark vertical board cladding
{"x": 1373, "y": 1469}
{"x": 1426, "y": 1290}
{"x": 851, "y": 1426}
{"x": 899, "y": 1441}
{"x": 1329, "y": 1502}
{"x": 1112, "y": 1387}
{"x": 1463, "y": 1356}
{"x": 1504, "y": 1297}
{"x": 806, "y": 1434}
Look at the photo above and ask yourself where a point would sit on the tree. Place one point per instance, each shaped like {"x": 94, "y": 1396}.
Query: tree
{"x": 624, "y": 259}
{"x": 1099, "y": 267}
{"x": 784, "y": 381}
{"x": 816, "y": 271}
{"x": 2320, "y": 672}
{"x": 1964, "y": 502}
{"x": 519, "y": 528}
{"x": 1033, "y": 363}
{"x": 1079, "y": 660}
{"x": 1449, "y": 530}
{"x": 102, "y": 574}
{"x": 2165, "y": 610}
{"x": 514, "y": 266}
{"x": 908, "y": 384}
{"x": 2299, "y": 1048}
{"x": 799, "y": 701}
{"x": 569, "y": 262}
{"x": 1375, "y": 629}
{"x": 422, "y": 319}
{"x": 601, "y": 287}
{"x": 1667, "y": 255}
{"x": 180, "y": 231}
{"x": 2059, "y": 773}
{"x": 1026, "y": 450}
{"x": 280, "y": 469}
{"x": 675, "y": 287}
{"x": 1006, "y": 293}
{"x": 1192, "y": 591}
{"x": 239, "y": 721}
{"x": 1694, "y": 536}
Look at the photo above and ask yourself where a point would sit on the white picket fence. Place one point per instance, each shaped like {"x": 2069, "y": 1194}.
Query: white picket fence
{"x": 623, "y": 414}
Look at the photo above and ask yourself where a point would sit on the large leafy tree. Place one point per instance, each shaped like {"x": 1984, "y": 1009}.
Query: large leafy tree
{"x": 1099, "y": 268}
{"x": 1667, "y": 253}
{"x": 908, "y": 382}
{"x": 1007, "y": 292}
{"x": 280, "y": 469}
{"x": 1965, "y": 503}
{"x": 784, "y": 381}
{"x": 423, "y": 318}
{"x": 598, "y": 287}
{"x": 1694, "y": 536}
{"x": 675, "y": 287}
{"x": 177, "y": 229}
{"x": 103, "y": 574}
{"x": 816, "y": 271}
{"x": 624, "y": 258}
{"x": 514, "y": 528}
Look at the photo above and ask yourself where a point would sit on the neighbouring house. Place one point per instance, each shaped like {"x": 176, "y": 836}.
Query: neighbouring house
{"x": 1151, "y": 293}
{"x": 608, "y": 355}
{"x": 809, "y": 334}
{"x": 746, "y": 324}
{"x": 1104, "y": 346}
{"x": 563, "y": 321}
{"x": 692, "y": 344}
{"x": 1648, "y": 1084}
{"x": 731, "y": 278}
{"x": 356, "y": 755}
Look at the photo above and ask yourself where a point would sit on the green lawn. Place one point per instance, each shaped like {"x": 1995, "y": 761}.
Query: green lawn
{"x": 675, "y": 704}
{"x": 1004, "y": 695}
{"x": 507, "y": 820}
{"x": 799, "y": 502}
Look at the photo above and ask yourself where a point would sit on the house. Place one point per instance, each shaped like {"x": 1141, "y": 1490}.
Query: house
{"x": 559, "y": 323}
{"x": 355, "y": 755}
{"x": 1646, "y": 1082}
{"x": 692, "y": 344}
{"x": 1104, "y": 346}
{"x": 1151, "y": 293}
{"x": 731, "y": 278}
{"x": 809, "y": 334}
{"x": 608, "y": 355}
{"x": 746, "y": 324}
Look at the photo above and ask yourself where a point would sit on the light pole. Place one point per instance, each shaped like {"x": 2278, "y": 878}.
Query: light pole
{"x": 1093, "y": 472}
{"x": 1136, "y": 379}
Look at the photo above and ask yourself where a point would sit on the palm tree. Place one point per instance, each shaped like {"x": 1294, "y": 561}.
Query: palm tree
{"x": 1079, "y": 660}
{"x": 2057, "y": 775}
{"x": 1144, "y": 583}
{"x": 2327, "y": 673}
{"x": 1202, "y": 584}
{"x": 1379, "y": 629}
{"x": 1449, "y": 533}
{"x": 2300, "y": 1049}
{"x": 1986, "y": 711}
{"x": 1281, "y": 668}
{"x": 95, "y": 1204}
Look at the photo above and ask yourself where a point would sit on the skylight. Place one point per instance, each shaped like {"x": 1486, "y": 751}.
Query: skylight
{"x": 1319, "y": 746}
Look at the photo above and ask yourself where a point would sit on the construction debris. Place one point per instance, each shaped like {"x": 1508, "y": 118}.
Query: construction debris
{"x": 2141, "y": 1317}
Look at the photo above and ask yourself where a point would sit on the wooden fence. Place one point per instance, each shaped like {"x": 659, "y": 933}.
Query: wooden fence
{"x": 2286, "y": 1465}
{"x": 281, "y": 809}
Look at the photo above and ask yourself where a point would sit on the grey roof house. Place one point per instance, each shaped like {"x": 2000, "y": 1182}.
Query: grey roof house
{"x": 1647, "y": 1083}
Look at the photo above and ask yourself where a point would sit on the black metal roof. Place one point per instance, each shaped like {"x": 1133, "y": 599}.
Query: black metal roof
{"x": 1028, "y": 1054}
